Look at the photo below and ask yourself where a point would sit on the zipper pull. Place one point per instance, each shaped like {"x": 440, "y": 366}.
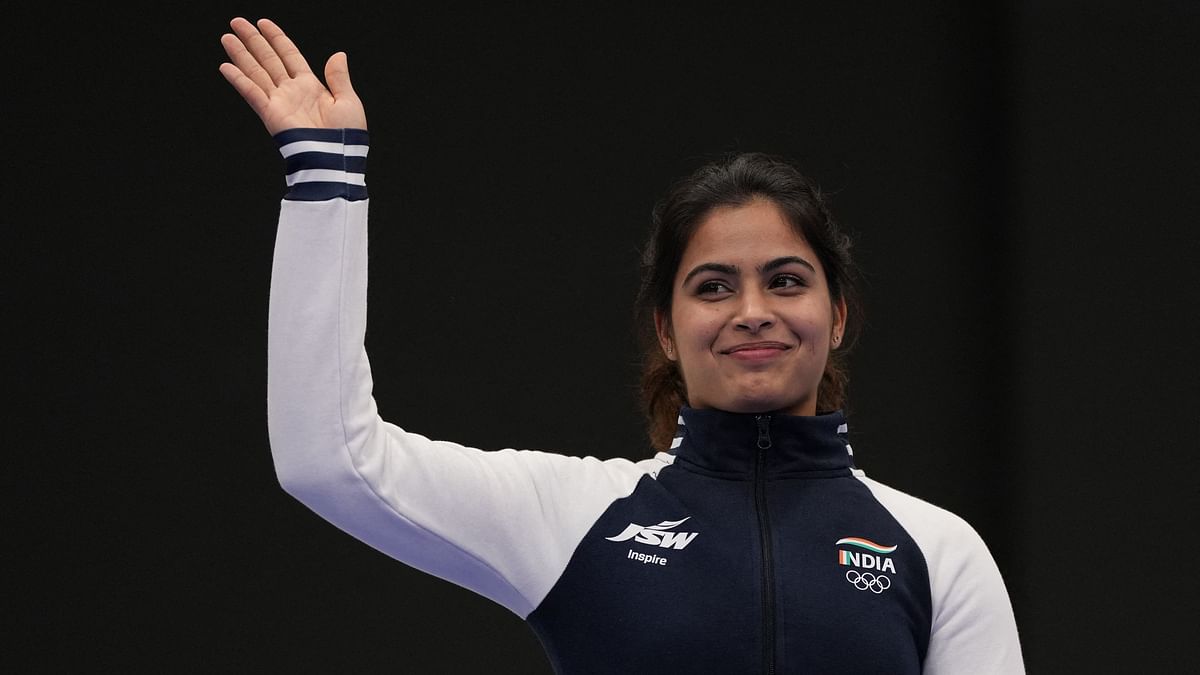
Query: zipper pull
{"x": 764, "y": 431}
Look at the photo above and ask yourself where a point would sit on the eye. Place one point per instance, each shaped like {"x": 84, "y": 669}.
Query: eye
{"x": 713, "y": 287}
{"x": 787, "y": 281}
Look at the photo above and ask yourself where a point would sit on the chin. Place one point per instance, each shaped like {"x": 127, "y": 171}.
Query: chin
{"x": 763, "y": 404}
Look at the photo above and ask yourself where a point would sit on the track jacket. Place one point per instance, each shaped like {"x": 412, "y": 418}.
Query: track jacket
{"x": 754, "y": 546}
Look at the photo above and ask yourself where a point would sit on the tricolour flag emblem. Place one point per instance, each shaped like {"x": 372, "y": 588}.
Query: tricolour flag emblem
{"x": 865, "y": 544}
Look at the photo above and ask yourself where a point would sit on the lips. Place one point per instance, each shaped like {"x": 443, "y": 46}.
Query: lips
{"x": 756, "y": 348}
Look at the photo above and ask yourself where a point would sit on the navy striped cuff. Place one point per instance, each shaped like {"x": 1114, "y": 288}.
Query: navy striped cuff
{"x": 325, "y": 163}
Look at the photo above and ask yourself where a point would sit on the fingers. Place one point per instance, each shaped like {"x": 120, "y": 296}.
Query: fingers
{"x": 246, "y": 63}
{"x": 250, "y": 91}
{"x": 262, "y": 52}
{"x": 287, "y": 51}
{"x": 337, "y": 76}
{"x": 235, "y": 47}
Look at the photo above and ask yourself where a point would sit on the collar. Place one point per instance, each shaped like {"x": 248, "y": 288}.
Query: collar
{"x": 729, "y": 443}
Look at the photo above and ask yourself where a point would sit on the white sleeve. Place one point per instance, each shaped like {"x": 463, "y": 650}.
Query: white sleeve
{"x": 973, "y": 629}
{"x": 502, "y": 523}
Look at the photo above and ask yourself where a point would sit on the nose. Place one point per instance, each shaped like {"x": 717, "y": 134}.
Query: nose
{"x": 754, "y": 314}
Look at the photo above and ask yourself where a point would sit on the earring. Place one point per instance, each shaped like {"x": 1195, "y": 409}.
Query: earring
{"x": 837, "y": 339}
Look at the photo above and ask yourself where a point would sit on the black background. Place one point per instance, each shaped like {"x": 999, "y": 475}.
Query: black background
{"x": 1021, "y": 178}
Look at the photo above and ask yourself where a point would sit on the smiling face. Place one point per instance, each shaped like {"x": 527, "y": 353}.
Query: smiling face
{"x": 752, "y": 320}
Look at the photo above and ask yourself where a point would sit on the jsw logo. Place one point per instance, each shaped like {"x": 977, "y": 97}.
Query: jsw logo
{"x": 657, "y": 535}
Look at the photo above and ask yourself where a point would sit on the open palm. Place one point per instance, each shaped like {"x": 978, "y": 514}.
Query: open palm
{"x": 273, "y": 77}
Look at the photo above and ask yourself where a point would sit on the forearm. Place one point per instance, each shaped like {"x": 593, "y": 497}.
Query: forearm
{"x": 331, "y": 449}
{"x": 499, "y": 523}
{"x": 318, "y": 317}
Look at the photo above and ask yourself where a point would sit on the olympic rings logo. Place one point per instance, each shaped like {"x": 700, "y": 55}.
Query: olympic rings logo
{"x": 866, "y": 581}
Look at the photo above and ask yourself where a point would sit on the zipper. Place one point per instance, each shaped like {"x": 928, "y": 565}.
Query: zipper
{"x": 764, "y": 432}
{"x": 764, "y": 534}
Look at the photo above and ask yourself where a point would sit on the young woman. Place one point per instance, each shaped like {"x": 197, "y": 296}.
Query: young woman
{"x": 750, "y": 543}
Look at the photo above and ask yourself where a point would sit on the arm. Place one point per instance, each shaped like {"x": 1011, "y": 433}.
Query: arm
{"x": 501, "y": 523}
{"x": 973, "y": 629}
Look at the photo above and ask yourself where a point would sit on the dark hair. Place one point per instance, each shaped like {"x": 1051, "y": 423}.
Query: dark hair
{"x": 734, "y": 181}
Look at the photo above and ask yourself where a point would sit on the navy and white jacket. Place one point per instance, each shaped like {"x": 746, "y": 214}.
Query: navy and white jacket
{"x": 755, "y": 545}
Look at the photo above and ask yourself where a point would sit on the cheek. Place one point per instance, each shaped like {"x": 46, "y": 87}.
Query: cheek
{"x": 697, "y": 329}
{"x": 813, "y": 335}
{"x": 815, "y": 324}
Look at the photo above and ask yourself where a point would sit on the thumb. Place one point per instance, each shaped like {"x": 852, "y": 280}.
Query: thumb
{"x": 337, "y": 76}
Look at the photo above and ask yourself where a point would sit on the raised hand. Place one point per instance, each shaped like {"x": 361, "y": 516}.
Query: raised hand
{"x": 272, "y": 76}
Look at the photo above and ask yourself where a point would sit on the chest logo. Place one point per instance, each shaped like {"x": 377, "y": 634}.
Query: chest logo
{"x": 863, "y": 554}
{"x": 657, "y": 535}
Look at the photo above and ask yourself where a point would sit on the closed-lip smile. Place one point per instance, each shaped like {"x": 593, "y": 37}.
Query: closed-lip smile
{"x": 756, "y": 347}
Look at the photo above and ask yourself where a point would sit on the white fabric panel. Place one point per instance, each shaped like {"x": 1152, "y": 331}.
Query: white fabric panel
{"x": 503, "y": 524}
{"x": 973, "y": 626}
{"x": 330, "y": 147}
{"x": 326, "y": 176}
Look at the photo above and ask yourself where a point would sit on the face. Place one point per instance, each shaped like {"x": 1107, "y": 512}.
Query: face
{"x": 752, "y": 320}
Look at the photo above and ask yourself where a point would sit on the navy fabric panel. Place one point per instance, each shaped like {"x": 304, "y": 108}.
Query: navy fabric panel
{"x": 318, "y": 192}
{"x": 345, "y": 136}
{"x": 356, "y": 136}
{"x": 827, "y": 624}
{"x": 610, "y": 613}
{"x": 324, "y": 160}
{"x": 647, "y": 603}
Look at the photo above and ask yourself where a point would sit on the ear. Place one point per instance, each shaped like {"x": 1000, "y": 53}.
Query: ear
{"x": 662, "y": 328}
{"x": 839, "y": 323}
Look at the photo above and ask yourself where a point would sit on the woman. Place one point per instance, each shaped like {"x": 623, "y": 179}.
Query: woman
{"x": 750, "y": 544}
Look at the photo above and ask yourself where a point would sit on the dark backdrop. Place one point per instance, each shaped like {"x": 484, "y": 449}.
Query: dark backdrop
{"x": 1021, "y": 179}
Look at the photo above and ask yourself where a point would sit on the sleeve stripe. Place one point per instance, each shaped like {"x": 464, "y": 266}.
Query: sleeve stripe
{"x": 326, "y": 176}
{"x": 324, "y": 160}
{"x": 297, "y": 147}
{"x": 336, "y": 136}
{"x": 319, "y": 192}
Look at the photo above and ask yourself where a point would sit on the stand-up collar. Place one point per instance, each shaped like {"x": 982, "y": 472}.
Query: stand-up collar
{"x": 724, "y": 442}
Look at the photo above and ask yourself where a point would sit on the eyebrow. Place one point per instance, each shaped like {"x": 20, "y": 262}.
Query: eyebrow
{"x": 732, "y": 270}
